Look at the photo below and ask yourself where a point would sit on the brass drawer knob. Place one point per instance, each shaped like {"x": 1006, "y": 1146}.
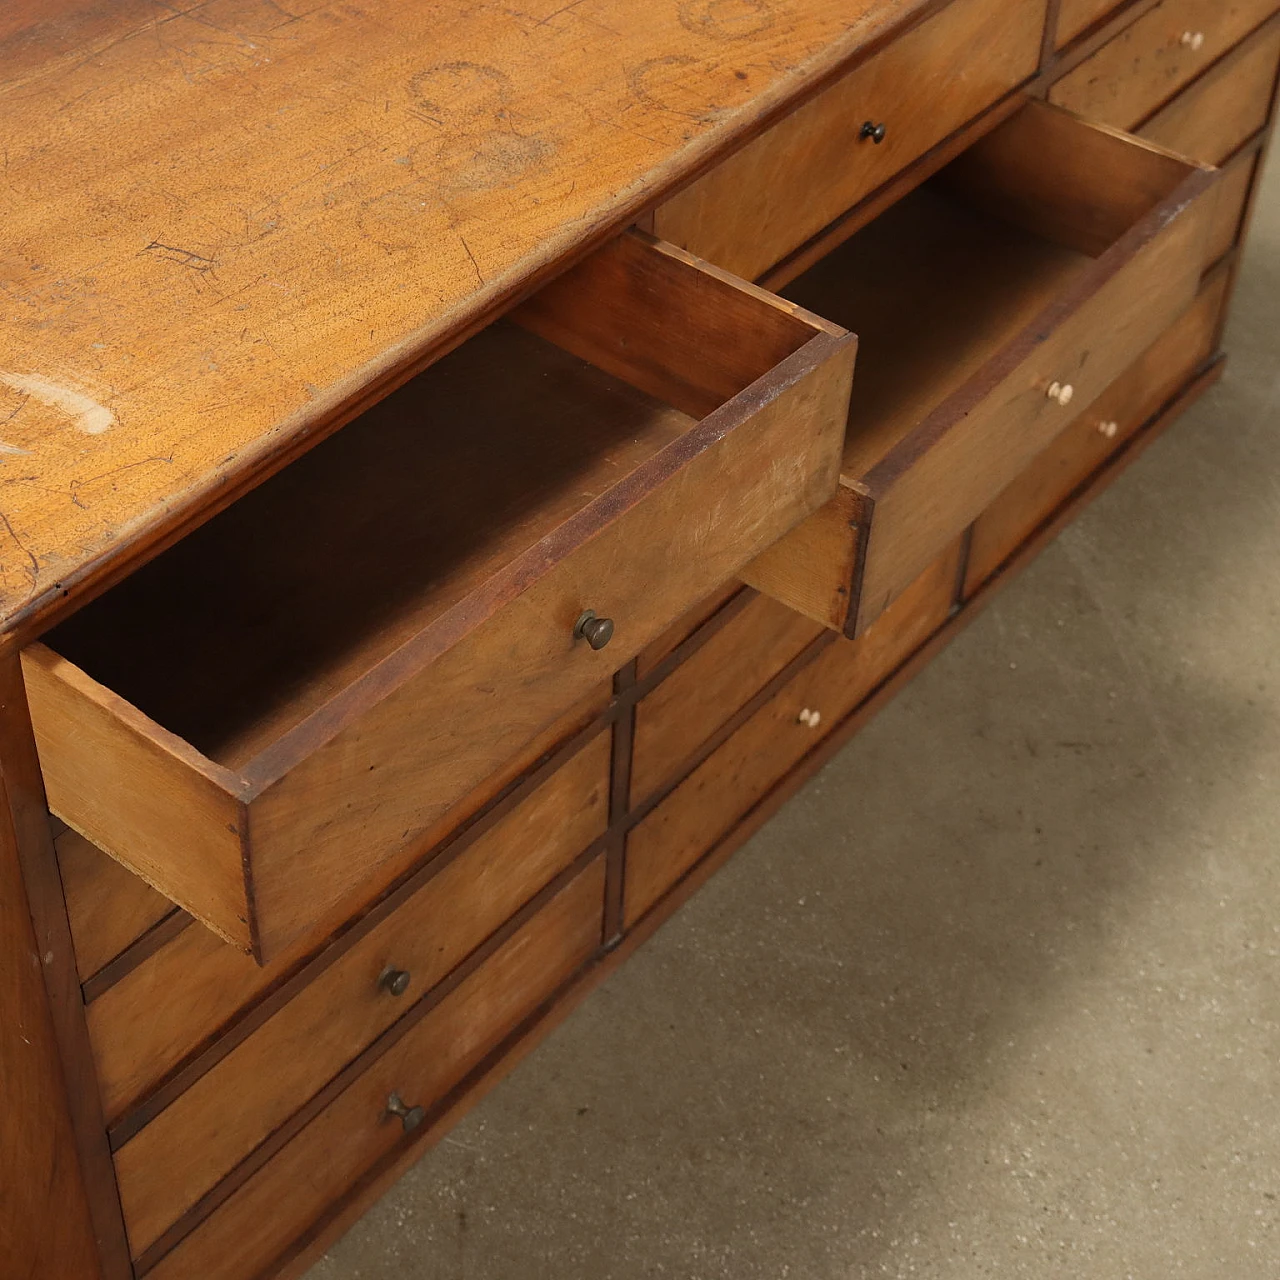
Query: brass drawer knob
{"x": 875, "y": 132}
{"x": 1062, "y": 392}
{"x": 410, "y": 1117}
{"x": 597, "y": 632}
{"x": 394, "y": 981}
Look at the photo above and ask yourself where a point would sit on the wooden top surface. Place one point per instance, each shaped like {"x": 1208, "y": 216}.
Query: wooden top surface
{"x": 227, "y": 222}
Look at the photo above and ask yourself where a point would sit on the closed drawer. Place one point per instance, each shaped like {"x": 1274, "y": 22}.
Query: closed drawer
{"x": 1071, "y": 460}
{"x": 1225, "y": 107}
{"x": 269, "y": 711}
{"x": 1234, "y": 191}
{"x": 664, "y": 846}
{"x": 785, "y": 186}
{"x": 1156, "y": 56}
{"x": 162, "y": 1027}
{"x": 246, "y": 1231}
{"x": 673, "y": 721}
{"x": 255, "y": 1087}
{"x": 987, "y": 305}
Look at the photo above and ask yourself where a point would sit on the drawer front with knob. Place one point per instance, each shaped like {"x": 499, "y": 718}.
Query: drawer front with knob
{"x": 665, "y": 845}
{"x": 177, "y": 1155}
{"x": 649, "y": 424}
{"x": 373, "y": 1120}
{"x": 1155, "y": 57}
{"x": 785, "y": 186}
{"x": 1064, "y": 248}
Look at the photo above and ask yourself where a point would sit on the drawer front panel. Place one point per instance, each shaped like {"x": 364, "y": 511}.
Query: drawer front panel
{"x": 785, "y": 186}
{"x": 197, "y": 990}
{"x": 706, "y": 805}
{"x": 1155, "y": 57}
{"x": 1222, "y": 111}
{"x": 1097, "y": 433}
{"x": 353, "y": 1135}
{"x": 225, "y": 1114}
{"x": 704, "y": 691}
{"x": 1233, "y": 200}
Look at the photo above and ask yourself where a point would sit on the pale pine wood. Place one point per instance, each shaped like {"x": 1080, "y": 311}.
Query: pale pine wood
{"x": 200, "y": 1138}
{"x": 1146, "y": 64}
{"x": 1226, "y": 107}
{"x": 141, "y": 794}
{"x": 1082, "y": 449}
{"x": 785, "y": 186}
{"x": 349, "y": 692}
{"x": 351, "y": 1135}
{"x": 196, "y": 991}
{"x": 230, "y": 265}
{"x": 666, "y": 844}
{"x": 691, "y": 703}
{"x": 108, "y": 907}
{"x": 951, "y": 401}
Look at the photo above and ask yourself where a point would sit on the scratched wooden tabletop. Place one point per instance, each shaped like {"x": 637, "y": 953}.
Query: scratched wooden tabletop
{"x": 222, "y": 220}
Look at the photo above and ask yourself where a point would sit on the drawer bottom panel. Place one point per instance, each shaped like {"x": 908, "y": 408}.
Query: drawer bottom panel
{"x": 355, "y": 1135}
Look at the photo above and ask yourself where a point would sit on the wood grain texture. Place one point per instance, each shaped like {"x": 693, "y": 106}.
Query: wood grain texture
{"x": 669, "y": 841}
{"x": 228, "y": 230}
{"x": 745, "y": 216}
{"x": 1101, "y": 430}
{"x": 1077, "y": 16}
{"x": 352, "y": 1134}
{"x": 1230, "y": 103}
{"x": 215, "y": 1123}
{"x": 1148, "y": 62}
{"x": 361, "y": 695}
{"x": 108, "y": 907}
{"x": 687, "y": 707}
{"x": 1238, "y": 178}
{"x": 57, "y": 1164}
{"x": 164, "y": 1023}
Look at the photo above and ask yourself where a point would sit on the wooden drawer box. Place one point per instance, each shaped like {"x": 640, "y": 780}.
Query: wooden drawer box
{"x": 782, "y": 188}
{"x": 986, "y": 303}
{"x": 263, "y": 715}
{"x": 665, "y": 845}
{"x": 171, "y": 1025}
{"x": 1160, "y": 373}
{"x": 248, "y": 1228}
{"x": 1156, "y": 56}
{"x": 1224, "y": 108}
{"x": 678, "y": 716}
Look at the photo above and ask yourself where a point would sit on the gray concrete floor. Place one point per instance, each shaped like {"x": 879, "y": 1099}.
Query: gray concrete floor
{"x": 998, "y": 994}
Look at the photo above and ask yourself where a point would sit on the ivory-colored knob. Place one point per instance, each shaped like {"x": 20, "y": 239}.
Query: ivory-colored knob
{"x": 1108, "y": 429}
{"x": 1193, "y": 40}
{"x": 811, "y": 718}
{"x": 1062, "y": 392}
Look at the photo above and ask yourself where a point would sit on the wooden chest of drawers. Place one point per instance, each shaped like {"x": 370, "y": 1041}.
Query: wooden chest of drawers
{"x": 369, "y": 750}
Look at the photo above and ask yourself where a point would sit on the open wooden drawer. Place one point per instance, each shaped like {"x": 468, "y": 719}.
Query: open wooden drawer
{"x": 1024, "y": 278}
{"x": 260, "y": 716}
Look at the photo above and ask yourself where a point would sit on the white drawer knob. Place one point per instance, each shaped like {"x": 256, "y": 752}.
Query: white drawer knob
{"x": 1193, "y": 40}
{"x": 1062, "y": 392}
{"x": 812, "y": 718}
{"x": 1108, "y": 429}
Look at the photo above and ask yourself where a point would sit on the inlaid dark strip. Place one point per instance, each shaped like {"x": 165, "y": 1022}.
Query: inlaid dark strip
{"x": 143, "y": 947}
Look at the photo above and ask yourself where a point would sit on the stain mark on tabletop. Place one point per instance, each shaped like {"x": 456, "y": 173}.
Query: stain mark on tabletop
{"x": 726, "y": 19}
{"x": 86, "y": 414}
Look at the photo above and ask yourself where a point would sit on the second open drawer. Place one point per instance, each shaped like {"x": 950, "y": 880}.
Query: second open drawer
{"x": 284, "y": 699}
{"x": 1023, "y": 279}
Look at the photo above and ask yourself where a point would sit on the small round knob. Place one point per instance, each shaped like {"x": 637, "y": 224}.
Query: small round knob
{"x": 811, "y": 718}
{"x": 1062, "y": 392}
{"x": 1108, "y": 429}
{"x": 597, "y": 632}
{"x": 1193, "y": 40}
{"x": 394, "y": 981}
{"x": 875, "y": 132}
{"x": 410, "y": 1117}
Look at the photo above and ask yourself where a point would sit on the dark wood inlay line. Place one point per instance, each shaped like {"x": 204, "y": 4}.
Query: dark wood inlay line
{"x": 143, "y": 947}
